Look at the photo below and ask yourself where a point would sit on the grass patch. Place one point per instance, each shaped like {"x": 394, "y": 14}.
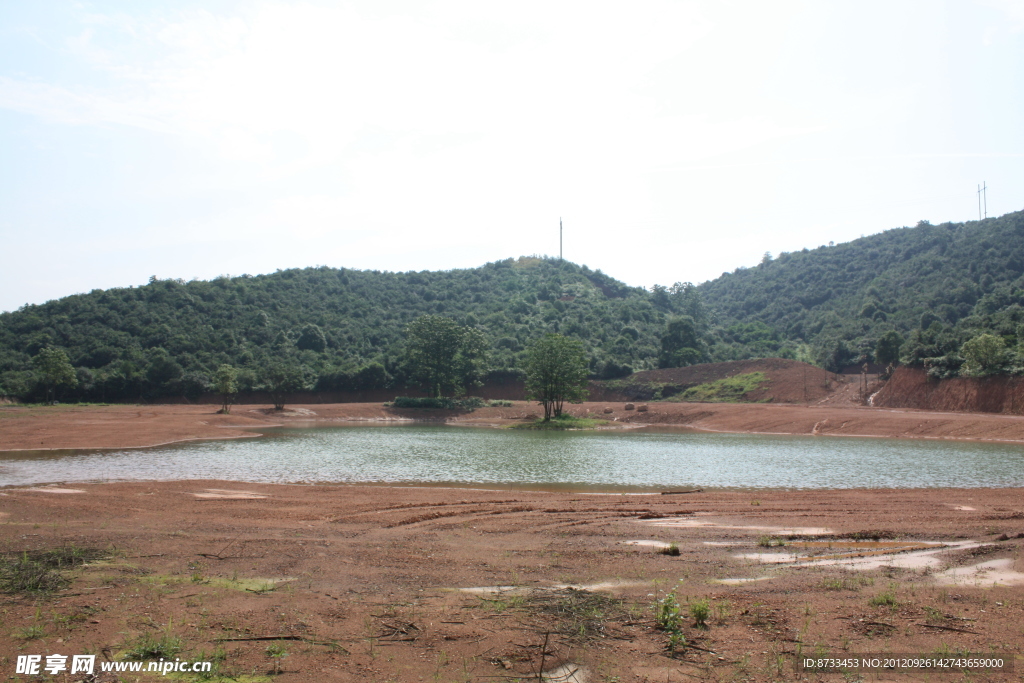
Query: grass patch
{"x": 565, "y": 421}
{"x": 728, "y": 390}
{"x": 146, "y": 647}
{"x": 581, "y": 614}
{"x": 886, "y": 599}
{"x": 672, "y": 550}
{"x": 29, "y": 632}
{"x": 770, "y": 542}
{"x": 846, "y": 583}
{"x": 41, "y": 572}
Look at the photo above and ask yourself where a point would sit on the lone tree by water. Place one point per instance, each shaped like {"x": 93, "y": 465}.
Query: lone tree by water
{"x": 281, "y": 380}
{"x": 225, "y": 381}
{"x": 556, "y": 372}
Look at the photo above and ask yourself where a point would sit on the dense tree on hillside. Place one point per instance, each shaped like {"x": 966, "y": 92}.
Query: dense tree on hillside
{"x": 983, "y": 355}
{"x": 252, "y": 321}
{"x": 682, "y": 345}
{"x": 55, "y": 370}
{"x": 937, "y": 286}
{"x": 887, "y": 351}
{"x": 556, "y": 373}
{"x": 445, "y": 356}
{"x": 841, "y": 300}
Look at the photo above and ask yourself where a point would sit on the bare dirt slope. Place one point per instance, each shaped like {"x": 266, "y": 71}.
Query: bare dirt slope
{"x": 789, "y": 381}
{"x": 390, "y": 584}
{"x": 912, "y": 388}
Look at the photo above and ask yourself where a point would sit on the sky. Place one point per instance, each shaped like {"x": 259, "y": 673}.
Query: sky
{"x": 675, "y": 140}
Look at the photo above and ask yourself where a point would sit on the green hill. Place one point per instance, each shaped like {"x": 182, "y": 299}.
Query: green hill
{"x": 345, "y": 327}
{"x": 936, "y": 285}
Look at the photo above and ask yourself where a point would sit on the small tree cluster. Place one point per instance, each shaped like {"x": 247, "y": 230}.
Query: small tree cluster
{"x": 556, "y": 373}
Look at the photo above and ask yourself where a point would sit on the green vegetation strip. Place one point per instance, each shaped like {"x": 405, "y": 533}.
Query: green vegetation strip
{"x": 559, "y": 423}
{"x": 728, "y": 390}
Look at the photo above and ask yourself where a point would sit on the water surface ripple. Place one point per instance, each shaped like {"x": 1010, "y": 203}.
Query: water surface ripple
{"x": 645, "y": 459}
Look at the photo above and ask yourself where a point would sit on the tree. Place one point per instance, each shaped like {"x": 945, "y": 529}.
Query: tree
{"x": 983, "y": 355}
{"x": 225, "y": 381}
{"x": 312, "y": 338}
{"x": 280, "y": 380}
{"x": 887, "y": 351}
{"x": 556, "y": 372}
{"x": 682, "y": 344}
{"x": 56, "y": 370}
{"x": 444, "y": 355}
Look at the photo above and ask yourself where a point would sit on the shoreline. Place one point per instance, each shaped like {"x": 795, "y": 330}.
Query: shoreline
{"x": 122, "y": 427}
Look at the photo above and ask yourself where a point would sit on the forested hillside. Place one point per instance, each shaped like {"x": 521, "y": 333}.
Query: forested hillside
{"x": 344, "y": 328}
{"x": 946, "y": 297}
{"x": 937, "y": 286}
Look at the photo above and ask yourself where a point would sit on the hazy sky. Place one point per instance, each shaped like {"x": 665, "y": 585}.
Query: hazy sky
{"x": 677, "y": 140}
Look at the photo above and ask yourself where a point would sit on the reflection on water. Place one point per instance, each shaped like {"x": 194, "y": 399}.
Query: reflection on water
{"x": 646, "y": 459}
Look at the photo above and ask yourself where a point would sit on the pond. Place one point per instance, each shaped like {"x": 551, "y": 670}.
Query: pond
{"x": 637, "y": 459}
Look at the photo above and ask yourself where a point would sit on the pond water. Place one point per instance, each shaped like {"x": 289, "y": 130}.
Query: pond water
{"x": 639, "y": 459}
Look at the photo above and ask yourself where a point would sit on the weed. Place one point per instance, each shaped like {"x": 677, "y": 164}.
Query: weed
{"x": 770, "y": 541}
{"x": 846, "y": 583}
{"x": 700, "y": 610}
{"x": 886, "y": 599}
{"x": 502, "y": 604}
{"x": 672, "y": 549}
{"x": 146, "y": 646}
{"x": 581, "y": 614}
{"x": 277, "y": 652}
{"x": 668, "y": 614}
{"x": 29, "y": 632}
{"x": 41, "y": 572}
{"x": 755, "y": 502}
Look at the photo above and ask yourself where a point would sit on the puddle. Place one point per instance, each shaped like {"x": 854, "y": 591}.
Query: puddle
{"x": 984, "y": 575}
{"x": 227, "y": 494}
{"x": 567, "y": 673}
{"x": 961, "y": 508}
{"x": 524, "y": 590}
{"x": 601, "y": 586}
{"x": 650, "y": 544}
{"x": 253, "y": 585}
{"x": 737, "y": 582}
{"x": 691, "y": 523}
{"x": 53, "y": 489}
{"x": 664, "y": 674}
{"x": 919, "y": 555}
{"x": 491, "y": 590}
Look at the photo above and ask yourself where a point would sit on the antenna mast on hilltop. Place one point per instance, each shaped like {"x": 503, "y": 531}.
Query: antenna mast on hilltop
{"x": 560, "y": 239}
{"x": 982, "y": 193}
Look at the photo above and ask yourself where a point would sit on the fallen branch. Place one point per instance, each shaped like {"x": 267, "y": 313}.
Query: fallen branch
{"x": 949, "y": 628}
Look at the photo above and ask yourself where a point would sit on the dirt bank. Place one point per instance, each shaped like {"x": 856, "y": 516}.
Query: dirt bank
{"x": 354, "y": 583}
{"x": 788, "y": 381}
{"x": 122, "y": 426}
{"x": 911, "y": 388}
